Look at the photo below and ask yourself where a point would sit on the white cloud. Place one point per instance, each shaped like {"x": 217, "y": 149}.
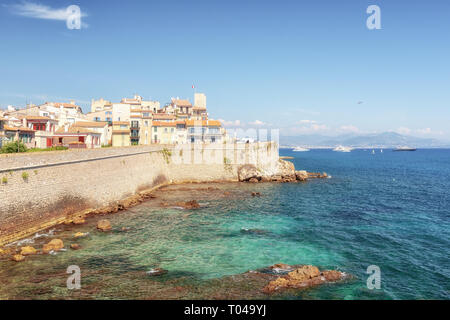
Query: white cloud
{"x": 349, "y": 128}
{"x": 232, "y": 123}
{"x": 257, "y": 123}
{"x": 425, "y": 131}
{"x": 40, "y": 11}
{"x": 403, "y": 130}
{"x": 306, "y": 121}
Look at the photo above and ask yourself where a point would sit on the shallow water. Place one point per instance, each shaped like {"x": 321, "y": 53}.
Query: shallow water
{"x": 389, "y": 209}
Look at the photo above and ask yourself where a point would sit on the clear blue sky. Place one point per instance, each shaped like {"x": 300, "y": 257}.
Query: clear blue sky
{"x": 301, "y": 66}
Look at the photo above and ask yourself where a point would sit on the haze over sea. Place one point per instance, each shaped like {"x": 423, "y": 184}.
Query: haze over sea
{"x": 388, "y": 209}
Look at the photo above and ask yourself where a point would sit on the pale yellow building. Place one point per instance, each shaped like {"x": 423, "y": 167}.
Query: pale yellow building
{"x": 121, "y": 134}
{"x": 163, "y": 132}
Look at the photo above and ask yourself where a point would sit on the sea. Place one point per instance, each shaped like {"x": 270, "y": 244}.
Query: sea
{"x": 386, "y": 211}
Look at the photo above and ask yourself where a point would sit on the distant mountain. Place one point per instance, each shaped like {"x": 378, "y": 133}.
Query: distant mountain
{"x": 380, "y": 140}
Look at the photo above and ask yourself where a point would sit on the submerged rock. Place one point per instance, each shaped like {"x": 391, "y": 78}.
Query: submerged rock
{"x": 75, "y": 246}
{"x": 302, "y": 277}
{"x": 256, "y": 194}
{"x": 156, "y": 272}
{"x": 26, "y": 251}
{"x": 54, "y": 245}
{"x": 193, "y": 204}
{"x": 254, "y": 231}
{"x": 80, "y": 235}
{"x": 104, "y": 225}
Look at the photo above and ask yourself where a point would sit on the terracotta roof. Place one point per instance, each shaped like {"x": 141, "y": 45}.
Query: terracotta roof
{"x": 8, "y": 128}
{"x": 74, "y": 130}
{"x": 164, "y": 116}
{"x": 181, "y": 103}
{"x": 36, "y": 118}
{"x": 65, "y": 105}
{"x": 203, "y": 123}
{"x": 199, "y": 108}
{"x": 90, "y": 124}
{"x": 121, "y": 131}
{"x": 163, "y": 124}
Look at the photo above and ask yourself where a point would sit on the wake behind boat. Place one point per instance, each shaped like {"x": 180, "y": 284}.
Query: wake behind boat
{"x": 300, "y": 149}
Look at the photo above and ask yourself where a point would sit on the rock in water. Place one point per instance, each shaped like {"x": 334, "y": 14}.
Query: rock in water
{"x": 247, "y": 172}
{"x": 303, "y": 277}
{"x": 104, "y": 225}
{"x": 304, "y": 273}
{"x": 78, "y": 220}
{"x": 54, "y": 245}
{"x": 156, "y": 272}
{"x": 193, "y": 204}
{"x": 75, "y": 246}
{"x": 301, "y": 175}
{"x": 18, "y": 257}
{"x": 27, "y": 251}
{"x": 80, "y": 234}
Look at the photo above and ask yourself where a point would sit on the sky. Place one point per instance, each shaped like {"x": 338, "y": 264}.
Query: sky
{"x": 304, "y": 67}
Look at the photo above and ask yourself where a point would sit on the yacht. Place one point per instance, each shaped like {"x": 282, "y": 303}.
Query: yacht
{"x": 405, "y": 149}
{"x": 343, "y": 149}
{"x": 300, "y": 149}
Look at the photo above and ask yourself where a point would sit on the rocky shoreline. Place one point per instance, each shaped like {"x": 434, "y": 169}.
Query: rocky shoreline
{"x": 285, "y": 172}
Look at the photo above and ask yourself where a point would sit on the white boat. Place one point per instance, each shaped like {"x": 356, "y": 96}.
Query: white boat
{"x": 300, "y": 149}
{"x": 343, "y": 149}
{"x": 373, "y": 151}
{"x": 405, "y": 149}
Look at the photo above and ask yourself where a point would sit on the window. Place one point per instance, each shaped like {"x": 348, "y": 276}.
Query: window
{"x": 165, "y": 129}
{"x": 97, "y": 119}
{"x": 155, "y": 129}
{"x": 172, "y": 130}
{"x": 108, "y": 113}
{"x": 39, "y": 126}
{"x": 123, "y": 126}
{"x": 145, "y": 114}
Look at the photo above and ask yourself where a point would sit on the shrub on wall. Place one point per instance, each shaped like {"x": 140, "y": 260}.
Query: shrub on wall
{"x": 13, "y": 147}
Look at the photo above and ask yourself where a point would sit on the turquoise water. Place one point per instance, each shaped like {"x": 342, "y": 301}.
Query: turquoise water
{"x": 390, "y": 209}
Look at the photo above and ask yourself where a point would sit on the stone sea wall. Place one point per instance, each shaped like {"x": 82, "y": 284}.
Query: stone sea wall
{"x": 40, "y": 190}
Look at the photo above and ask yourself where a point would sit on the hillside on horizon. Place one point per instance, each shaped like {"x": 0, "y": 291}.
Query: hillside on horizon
{"x": 378, "y": 140}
